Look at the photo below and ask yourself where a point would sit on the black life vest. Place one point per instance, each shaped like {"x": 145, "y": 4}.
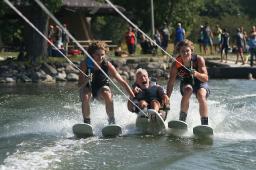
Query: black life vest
{"x": 154, "y": 92}
{"x": 98, "y": 78}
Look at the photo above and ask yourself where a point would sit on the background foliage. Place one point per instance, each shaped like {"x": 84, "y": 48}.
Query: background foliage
{"x": 229, "y": 14}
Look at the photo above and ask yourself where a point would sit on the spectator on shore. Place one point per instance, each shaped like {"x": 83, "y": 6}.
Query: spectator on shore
{"x": 130, "y": 40}
{"x": 252, "y": 47}
{"x": 136, "y": 33}
{"x": 146, "y": 46}
{"x": 51, "y": 37}
{"x": 239, "y": 46}
{"x": 253, "y": 29}
{"x": 51, "y": 32}
{"x": 224, "y": 45}
{"x": 207, "y": 32}
{"x": 157, "y": 39}
{"x": 58, "y": 37}
{"x": 245, "y": 39}
{"x": 65, "y": 39}
{"x": 179, "y": 34}
{"x": 217, "y": 38}
{"x": 165, "y": 37}
{"x": 201, "y": 38}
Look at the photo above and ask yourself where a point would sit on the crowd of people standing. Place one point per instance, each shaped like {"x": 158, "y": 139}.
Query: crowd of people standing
{"x": 133, "y": 37}
{"x": 211, "y": 41}
{"x": 219, "y": 40}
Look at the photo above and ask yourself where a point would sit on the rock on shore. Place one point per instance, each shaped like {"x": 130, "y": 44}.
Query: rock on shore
{"x": 11, "y": 72}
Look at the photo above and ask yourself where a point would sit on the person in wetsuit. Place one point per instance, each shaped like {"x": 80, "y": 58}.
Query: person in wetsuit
{"x": 194, "y": 79}
{"x": 148, "y": 95}
{"x": 97, "y": 84}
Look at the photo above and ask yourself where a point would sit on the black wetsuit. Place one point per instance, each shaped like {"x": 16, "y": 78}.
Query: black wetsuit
{"x": 98, "y": 78}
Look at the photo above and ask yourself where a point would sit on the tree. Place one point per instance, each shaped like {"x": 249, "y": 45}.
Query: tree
{"x": 35, "y": 45}
{"x": 248, "y": 7}
{"x": 169, "y": 11}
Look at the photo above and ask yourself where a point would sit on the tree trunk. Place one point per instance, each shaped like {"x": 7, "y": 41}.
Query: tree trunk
{"x": 35, "y": 44}
{"x": 1, "y": 42}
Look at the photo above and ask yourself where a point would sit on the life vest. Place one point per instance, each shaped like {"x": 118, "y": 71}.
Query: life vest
{"x": 154, "y": 92}
{"x": 98, "y": 78}
{"x": 182, "y": 72}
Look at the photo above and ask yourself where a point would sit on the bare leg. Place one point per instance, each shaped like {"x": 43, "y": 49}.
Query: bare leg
{"x": 237, "y": 56}
{"x": 205, "y": 49}
{"x": 154, "y": 104}
{"x": 203, "y": 107}
{"x": 185, "y": 98}
{"x": 106, "y": 94}
{"x": 221, "y": 55}
{"x": 86, "y": 97}
{"x": 143, "y": 104}
{"x": 211, "y": 49}
{"x": 226, "y": 55}
{"x": 242, "y": 57}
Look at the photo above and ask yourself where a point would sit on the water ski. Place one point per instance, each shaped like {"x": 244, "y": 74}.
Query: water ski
{"x": 153, "y": 123}
{"x": 112, "y": 130}
{"x": 177, "y": 124}
{"x": 203, "y": 131}
{"x": 82, "y": 130}
{"x": 177, "y": 127}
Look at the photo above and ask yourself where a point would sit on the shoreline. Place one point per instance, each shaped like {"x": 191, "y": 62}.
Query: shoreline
{"x": 158, "y": 68}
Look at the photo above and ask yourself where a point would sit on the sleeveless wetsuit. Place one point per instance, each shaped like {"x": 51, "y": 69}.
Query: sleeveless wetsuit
{"x": 154, "y": 92}
{"x": 186, "y": 77}
{"x": 98, "y": 78}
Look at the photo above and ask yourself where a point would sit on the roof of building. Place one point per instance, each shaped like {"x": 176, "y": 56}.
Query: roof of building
{"x": 90, "y": 7}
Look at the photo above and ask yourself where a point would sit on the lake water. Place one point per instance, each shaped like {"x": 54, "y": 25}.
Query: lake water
{"x": 36, "y": 131}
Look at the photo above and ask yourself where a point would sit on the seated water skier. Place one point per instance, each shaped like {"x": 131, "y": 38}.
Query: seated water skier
{"x": 148, "y": 95}
{"x": 97, "y": 84}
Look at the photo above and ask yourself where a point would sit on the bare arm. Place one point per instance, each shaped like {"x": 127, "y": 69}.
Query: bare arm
{"x": 113, "y": 72}
{"x": 202, "y": 73}
{"x": 172, "y": 79}
{"x": 82, "y": 78}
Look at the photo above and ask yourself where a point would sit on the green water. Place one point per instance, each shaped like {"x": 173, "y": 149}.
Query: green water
{"x": 36, "y": 131}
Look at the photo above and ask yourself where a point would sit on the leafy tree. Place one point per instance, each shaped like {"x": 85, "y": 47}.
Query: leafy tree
{"x": 109, "y": 27}
{"x": 169, "y": 11}
{"x": 248, "y": 7}
{"x": 220, "y": 8}
{"x": 35, "y": 45}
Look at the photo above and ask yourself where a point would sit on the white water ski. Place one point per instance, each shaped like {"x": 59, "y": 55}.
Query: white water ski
{"x": 203, "y": 131}
{"x": 153, "y": 124}
{"x": 112, "y": 130}
{"x": 82, "y": 130}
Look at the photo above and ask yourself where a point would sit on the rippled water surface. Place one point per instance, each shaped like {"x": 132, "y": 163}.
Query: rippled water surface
{"x": 36, "y": 131}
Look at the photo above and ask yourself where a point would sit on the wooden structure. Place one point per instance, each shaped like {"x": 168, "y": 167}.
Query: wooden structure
{"x": 77, "y": 14}
{"x": 86, "y": 43}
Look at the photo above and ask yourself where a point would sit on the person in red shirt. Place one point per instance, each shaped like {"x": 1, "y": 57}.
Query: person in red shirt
{"x": 130, "y": 41}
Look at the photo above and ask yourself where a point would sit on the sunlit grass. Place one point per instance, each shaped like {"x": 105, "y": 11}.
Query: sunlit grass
{"x": 9, "y": 54}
